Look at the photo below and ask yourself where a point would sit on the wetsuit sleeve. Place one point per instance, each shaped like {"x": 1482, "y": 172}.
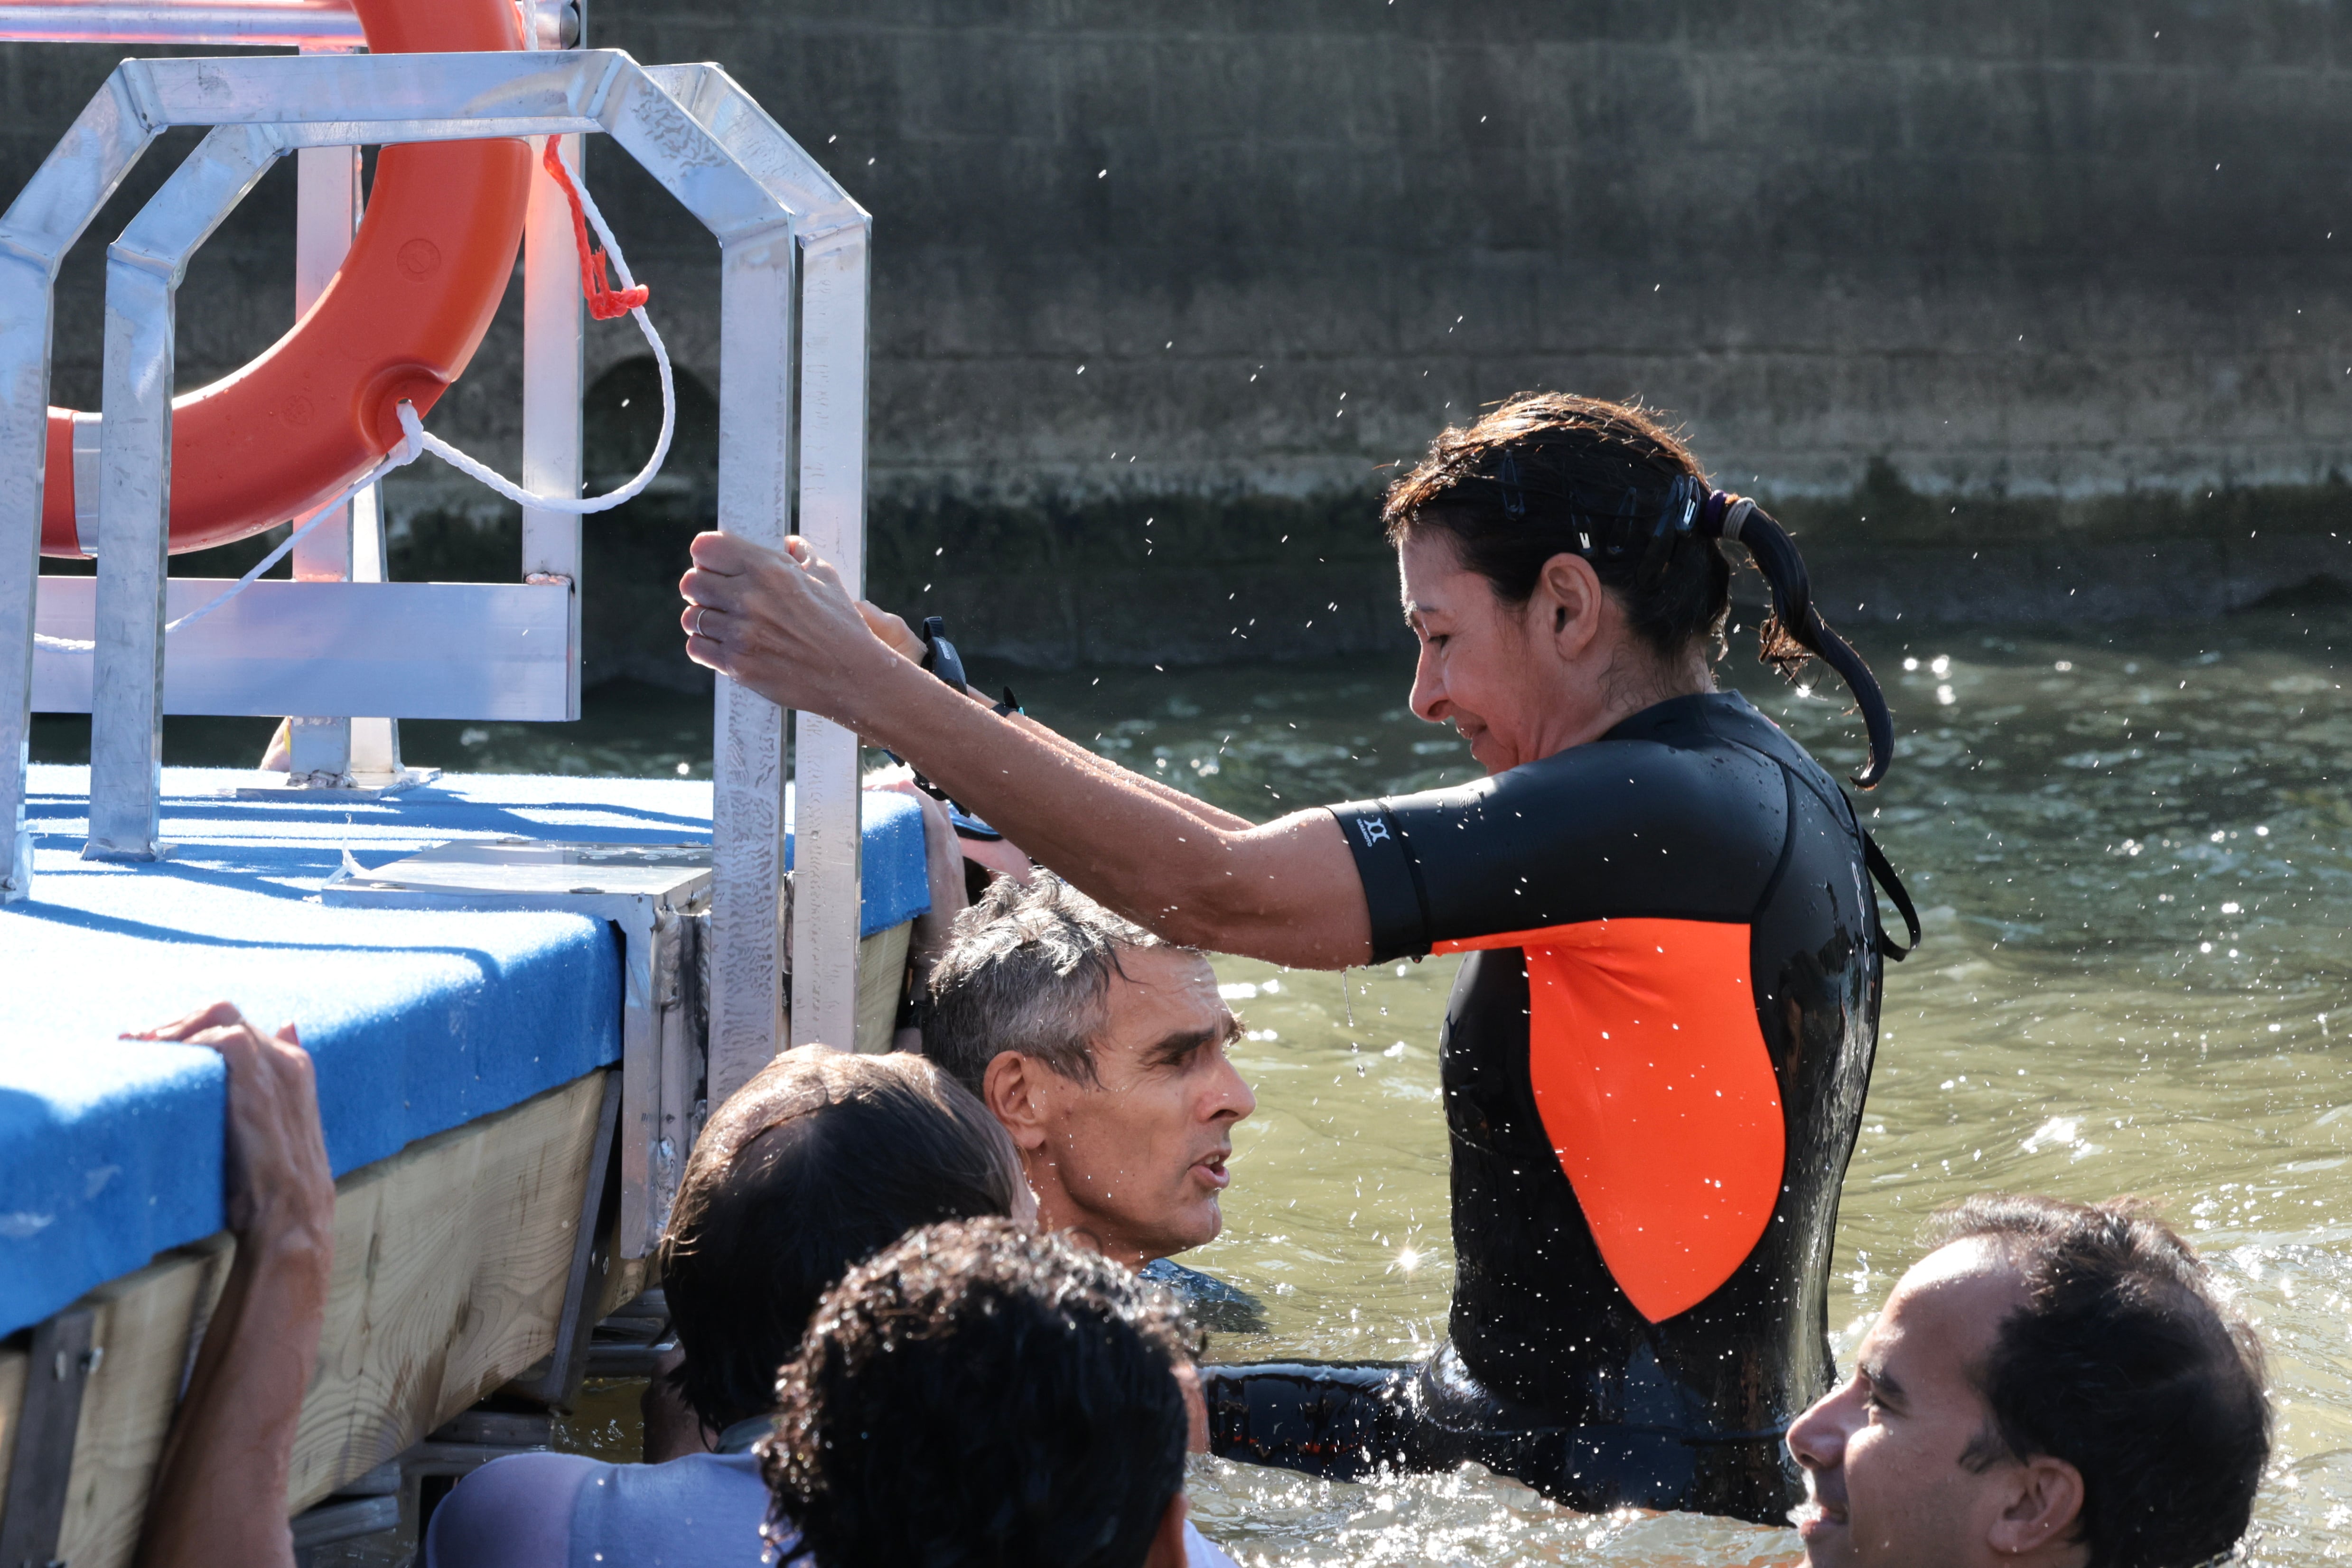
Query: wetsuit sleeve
{"x": 1614, "y": 829}
{"x": 1392, "y": 883}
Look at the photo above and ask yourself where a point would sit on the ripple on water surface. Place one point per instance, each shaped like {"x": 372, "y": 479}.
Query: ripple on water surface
{"x": 2129, "y": 849}
{"x": 2130, "y": 853}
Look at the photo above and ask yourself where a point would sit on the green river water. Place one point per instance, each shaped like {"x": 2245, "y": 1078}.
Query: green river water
{"x": 2129, "y": 848}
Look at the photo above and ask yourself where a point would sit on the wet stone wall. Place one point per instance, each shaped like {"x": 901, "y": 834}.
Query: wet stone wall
{"x": 1160, "y": 289}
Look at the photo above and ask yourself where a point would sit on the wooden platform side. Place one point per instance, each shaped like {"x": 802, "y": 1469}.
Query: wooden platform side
{"x": 881, "y": 982}
{"x": 13, "y": 1360}
{"x": 450, "y": 1263}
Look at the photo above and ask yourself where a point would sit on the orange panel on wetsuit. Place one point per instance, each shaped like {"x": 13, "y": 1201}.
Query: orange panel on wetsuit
{"x": 1653, "y": 1084}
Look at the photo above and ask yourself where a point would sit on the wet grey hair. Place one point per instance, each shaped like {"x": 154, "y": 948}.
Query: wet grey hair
{"x": 1027, "y": 969}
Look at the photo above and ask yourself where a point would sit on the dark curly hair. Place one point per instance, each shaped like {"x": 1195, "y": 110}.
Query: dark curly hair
{"x": 981, "y": 1396}
{"x": 2123, "y": 1364}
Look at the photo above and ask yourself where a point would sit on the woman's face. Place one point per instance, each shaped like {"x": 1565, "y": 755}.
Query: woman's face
{"x": 1517, "y": 682}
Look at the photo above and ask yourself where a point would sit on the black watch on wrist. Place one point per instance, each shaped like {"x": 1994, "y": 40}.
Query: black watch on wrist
{"x": 939, "y": 657}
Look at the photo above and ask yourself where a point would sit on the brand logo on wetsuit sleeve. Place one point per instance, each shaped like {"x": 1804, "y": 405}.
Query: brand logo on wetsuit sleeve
{"x": 1375, "y": 829}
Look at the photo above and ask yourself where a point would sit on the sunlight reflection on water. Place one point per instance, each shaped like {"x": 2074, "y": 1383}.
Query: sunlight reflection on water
{"x": 2129, "y": 849}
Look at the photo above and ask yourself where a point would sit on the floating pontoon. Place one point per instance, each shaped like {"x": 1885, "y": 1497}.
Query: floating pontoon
{"x": 522, "y": 994}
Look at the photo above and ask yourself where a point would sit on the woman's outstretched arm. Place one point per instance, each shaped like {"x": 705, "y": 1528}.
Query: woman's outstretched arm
{"x": 783, "y": 624}
{"x": 894, "y": 633}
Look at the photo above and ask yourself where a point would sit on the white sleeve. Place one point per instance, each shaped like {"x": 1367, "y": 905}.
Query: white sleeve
{"x": 1200, "y": 1552}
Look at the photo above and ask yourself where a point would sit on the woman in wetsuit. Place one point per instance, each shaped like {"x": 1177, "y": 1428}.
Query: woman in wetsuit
{"x": 1656, "y": 1053}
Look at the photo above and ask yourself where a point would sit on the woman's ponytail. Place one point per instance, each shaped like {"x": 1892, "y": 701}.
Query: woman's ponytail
{"x": 1795, "y": 628}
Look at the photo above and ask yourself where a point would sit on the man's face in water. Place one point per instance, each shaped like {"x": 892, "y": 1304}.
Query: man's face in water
{"x": 1903, "y": 1467}
{"x": 1134, "y": 1160}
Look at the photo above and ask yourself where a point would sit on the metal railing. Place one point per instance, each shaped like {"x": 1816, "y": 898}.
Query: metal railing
{"x": 313, "y": 26}
{"x": 794, "y": 269}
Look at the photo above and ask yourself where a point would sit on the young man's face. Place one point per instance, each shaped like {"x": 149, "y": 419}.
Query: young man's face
{"x": 1884, "y": 1454}
{"x": 1136, "y": 1160}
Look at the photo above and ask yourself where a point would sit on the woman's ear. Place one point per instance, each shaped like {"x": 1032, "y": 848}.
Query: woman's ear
{"x": 1568, "y": 599}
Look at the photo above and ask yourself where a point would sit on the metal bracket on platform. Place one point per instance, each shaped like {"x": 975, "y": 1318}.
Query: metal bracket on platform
{"x": 41, "y": 1470}
{"x": 367, "y": 1506}
{"x": 654, "y": 893}
{"x": 592, "y": 1262}
{"x": 636, "y": 1339}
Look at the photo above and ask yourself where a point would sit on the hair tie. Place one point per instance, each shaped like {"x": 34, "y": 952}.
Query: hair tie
{"x": 1724, "y": 515}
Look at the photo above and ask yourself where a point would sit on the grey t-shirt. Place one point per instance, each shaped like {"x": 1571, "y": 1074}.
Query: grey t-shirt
{"x": 567, "y": 1511}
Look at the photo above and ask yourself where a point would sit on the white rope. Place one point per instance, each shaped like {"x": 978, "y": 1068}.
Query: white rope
{"x": 415, "y": 439}
{"x": 514, "y": 492}
{"x": 407, "y": 452}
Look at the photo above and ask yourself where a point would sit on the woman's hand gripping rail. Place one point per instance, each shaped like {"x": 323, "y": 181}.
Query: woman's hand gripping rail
{"x": 783, "y": 624}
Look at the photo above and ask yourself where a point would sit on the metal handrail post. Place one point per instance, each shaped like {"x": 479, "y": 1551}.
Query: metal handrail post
{"x": 326, "y": 216}
{"x": 143, "y": 272}
{"x": 553, "y": 351}
{"x": 828, "y": 841}
{"x": 51, "y": 211}
{"x": 554, "y": 380}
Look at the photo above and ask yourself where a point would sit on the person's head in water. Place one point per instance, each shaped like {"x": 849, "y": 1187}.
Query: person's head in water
{"x": 982, "y": 1394}
{"x": 1561, "y": 568}
{"x": 820, "y": 1161}
{"x": 2056, "y": 1386}
{"x": 1102, "y": 1050}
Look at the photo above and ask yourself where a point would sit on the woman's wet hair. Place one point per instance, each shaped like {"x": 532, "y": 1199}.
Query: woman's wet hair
{"x": 814, "y": 1166}
{"x": 1547, "y": 474}
{"x": 2123, "y": 1362}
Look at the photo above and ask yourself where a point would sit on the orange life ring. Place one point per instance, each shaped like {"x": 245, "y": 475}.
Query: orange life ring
{"x": 401, "y": 319}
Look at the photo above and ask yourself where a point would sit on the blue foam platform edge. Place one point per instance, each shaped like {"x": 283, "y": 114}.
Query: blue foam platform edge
{"x": 418, "y": 1021}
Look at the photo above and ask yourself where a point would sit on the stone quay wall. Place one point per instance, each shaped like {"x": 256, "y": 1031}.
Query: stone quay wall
{"x": 1986, "y": 299}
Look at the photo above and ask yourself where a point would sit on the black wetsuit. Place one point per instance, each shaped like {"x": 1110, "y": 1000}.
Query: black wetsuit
{"x": 1653, "y": 1066}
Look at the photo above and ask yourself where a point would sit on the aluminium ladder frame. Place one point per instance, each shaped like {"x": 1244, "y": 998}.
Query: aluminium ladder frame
{"x": 351, "y": 755}
{"x": 788, "y": 234}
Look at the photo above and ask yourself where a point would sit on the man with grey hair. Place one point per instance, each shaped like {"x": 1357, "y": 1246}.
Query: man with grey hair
{"x": 1102, "y": 1050}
